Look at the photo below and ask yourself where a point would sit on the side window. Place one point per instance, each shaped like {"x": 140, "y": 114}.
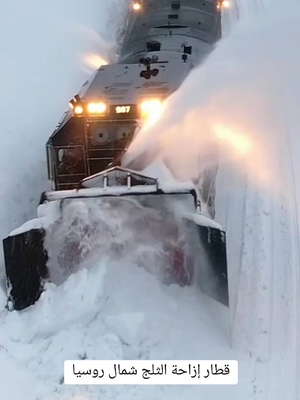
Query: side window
{"x": 50, "y": 162}
{"x": 70, "y": 160}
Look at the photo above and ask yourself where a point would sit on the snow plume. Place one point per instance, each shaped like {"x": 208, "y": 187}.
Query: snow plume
{"x": 233, "y": 100}
{"x": 117, "y": 22}
{"x": 42, "y": 67}
{"x": 114, "y": 229}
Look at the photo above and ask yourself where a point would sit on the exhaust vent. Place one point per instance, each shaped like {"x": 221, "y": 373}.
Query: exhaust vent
{"x": 175, "y": 5}
{"x": 171, "y": 26}
{"x": 153, "y": 46}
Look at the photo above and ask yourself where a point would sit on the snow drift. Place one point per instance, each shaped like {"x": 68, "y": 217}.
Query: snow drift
{"x": 48, "y": 52}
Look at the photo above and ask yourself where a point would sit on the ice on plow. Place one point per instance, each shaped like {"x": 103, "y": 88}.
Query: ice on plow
{"x": 124, "y": 216}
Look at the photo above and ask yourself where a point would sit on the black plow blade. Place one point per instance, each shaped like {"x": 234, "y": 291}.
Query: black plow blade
{"x": 26, "y": 267}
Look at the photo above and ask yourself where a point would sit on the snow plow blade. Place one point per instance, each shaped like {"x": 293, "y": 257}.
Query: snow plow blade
{"x": 127, "y": 217}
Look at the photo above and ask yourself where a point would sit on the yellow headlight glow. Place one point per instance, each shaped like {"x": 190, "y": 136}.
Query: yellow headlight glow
{"x": 136, "y": 6}
{"x": 226, "y": 4}
{"x": 97, "y": 108}
{"x": 151, "y": 110}
{"x": 78, "y": 110}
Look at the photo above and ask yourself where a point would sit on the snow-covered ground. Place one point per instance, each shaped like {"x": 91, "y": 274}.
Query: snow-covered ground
{"x": 247, "y": 97}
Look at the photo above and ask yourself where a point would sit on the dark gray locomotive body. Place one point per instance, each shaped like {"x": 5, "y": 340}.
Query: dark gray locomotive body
{"x": 163, "y": 41}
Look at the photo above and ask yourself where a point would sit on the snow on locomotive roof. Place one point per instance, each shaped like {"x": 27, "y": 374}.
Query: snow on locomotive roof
{"x": 201, "y": 17}
{"x": 123, "y": 81}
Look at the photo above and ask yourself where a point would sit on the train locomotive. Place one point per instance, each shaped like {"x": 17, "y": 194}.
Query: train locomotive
{"x": 163, "y": 41}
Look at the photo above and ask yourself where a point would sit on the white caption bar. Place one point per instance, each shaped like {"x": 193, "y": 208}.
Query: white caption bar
{"x": 151, "y": 372}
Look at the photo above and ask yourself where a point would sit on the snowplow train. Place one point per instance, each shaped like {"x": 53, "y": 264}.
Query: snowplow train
{"x": 98, "y": 208}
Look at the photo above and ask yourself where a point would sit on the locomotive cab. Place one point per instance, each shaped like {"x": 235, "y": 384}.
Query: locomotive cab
{"x": 103, "y": 120}
{"x": 85, "y": 146}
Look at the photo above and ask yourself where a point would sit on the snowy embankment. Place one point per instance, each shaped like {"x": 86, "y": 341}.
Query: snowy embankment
{"x": 250, "y": 107}
{"x": 48, "y": 52}
{"x": 115, "y": 311}
{"x": 261, "y": 209}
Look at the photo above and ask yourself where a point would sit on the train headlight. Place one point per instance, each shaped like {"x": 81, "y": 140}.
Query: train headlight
{"x": 76, "y": 105}
{"x": 97, "y": 108}
{"x": 78, "y": 110}
{"x": 223, "y": 4}
{"x": 136, "y": 5}
{"x": 151, "y": 109}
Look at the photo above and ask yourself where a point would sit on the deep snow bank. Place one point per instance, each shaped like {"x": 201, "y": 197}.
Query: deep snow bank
{"x": 245, "y": 97}
{"x": 49, "y": 50}
{"x": 116, "y": 311}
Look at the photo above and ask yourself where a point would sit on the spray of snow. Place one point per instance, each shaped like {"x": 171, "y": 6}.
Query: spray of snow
{"x": 114, "y": 228}
{"x": 229, "y": 102}
{"x": 243, "y": 100}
